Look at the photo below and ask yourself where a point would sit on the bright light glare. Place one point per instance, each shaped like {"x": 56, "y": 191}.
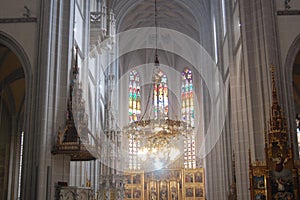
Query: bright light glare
{"x": 143, "y": 151}
{"x": 158, "y": 164}
{"x": 174, "y": 153}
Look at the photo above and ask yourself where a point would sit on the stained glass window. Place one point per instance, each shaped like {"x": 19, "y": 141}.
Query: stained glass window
{"x": 134, "y": 96}
{"x": 298, "y": 130}
{"x": 188, "y": 115}
{"x": 160, "y": 96}
{"x": 134, "y": 115}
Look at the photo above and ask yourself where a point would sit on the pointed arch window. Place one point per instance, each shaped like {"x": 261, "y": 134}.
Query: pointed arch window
{"x": 160, "y": 95}
{"x": 188, "y": 115}
{"x": 298, "y": 131}
{"x": 134, "y": 96}
{"x": 20, "y": 163}
{"x": 134, "y": 113}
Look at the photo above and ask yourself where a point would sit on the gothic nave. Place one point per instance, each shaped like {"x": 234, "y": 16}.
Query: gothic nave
{"x": 150, "y": 100}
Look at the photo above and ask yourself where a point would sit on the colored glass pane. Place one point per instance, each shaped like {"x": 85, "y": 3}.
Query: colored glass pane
{"x": 187, "y": 113}
{"x": 160, "y": 96}
{"x": 134, "y": 112}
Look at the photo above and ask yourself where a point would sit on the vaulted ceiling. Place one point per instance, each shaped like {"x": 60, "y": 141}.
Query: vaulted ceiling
{"x": 189, "y": 17}
{"x": 12, "y": 82}
{"x": 296, "y": 82}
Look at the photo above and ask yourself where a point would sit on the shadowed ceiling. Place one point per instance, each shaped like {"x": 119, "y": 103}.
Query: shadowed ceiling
{"x": 190, "y": 17}
{"x": 296, "y": 82}
{"x": 170, "y": 14}
{"x": 12, "y": 82}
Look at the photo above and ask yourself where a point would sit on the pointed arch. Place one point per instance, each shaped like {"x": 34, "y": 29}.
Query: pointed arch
{"x": 160, "y": 95}
{"x": 188, "y": 115}
{"x": 21, "y": 162}
{"x": 187, "y": 97}
{"x": 290, "y": 89}
{"x": 134, "y": 112}
{"x": 134, "y": 96}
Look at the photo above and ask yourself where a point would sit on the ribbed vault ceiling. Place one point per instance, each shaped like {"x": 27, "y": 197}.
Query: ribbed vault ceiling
{"x": 190, "y": 17}
{"x": 12, "y": 82}
{"x": 170, "y": 14}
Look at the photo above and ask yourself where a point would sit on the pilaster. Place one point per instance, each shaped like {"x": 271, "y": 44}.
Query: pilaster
{"x": 251, "y": 85}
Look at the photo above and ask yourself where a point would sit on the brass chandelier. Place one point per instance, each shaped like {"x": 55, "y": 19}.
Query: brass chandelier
{"x": 157, "y": 134}
{"x": 158, "y": 137}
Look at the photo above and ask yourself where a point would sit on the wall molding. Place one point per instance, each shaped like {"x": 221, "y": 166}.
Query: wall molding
{"x": 18, "y": 20}
{"x": 288, "y": 12}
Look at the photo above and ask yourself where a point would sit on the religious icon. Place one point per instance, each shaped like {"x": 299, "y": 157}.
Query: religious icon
{"x": 163, "y": 193}
{"x": 258, "y": 182}
{"x": 128, "y": 193}
{"x": 137, "y": 179}
{"x": 189, "y": 192}
{"x": 174, "y": 193}
{"x": 198, "y": 177}
{"x": 137, "y": 193}
{"x": 282, "y": 184}
{"x": 280, "y": 161}
{"x": 153, "y": 194}
{"x": 189, "y": 178}
{"x": 199, "y": 192}
{"x": 128, "y": 179}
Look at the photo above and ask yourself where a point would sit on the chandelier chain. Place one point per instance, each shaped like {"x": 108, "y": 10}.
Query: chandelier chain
{"x": 155, "y": 23}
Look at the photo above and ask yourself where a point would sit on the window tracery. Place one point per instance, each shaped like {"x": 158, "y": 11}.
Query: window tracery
{"x": 134, "y": 115}
{"x": 188, "y": 115}
{"x": 160, "y": 96}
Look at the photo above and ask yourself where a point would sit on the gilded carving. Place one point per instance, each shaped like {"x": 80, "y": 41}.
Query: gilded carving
{"x": 165, "y": 184}
{"x": 275, "y": 178}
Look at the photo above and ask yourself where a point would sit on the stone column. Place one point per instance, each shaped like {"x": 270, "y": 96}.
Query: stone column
{"x": 253, "y": 54}
{"x": 54, "y": 56}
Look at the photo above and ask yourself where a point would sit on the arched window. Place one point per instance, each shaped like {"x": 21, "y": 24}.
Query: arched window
{"x": 160, "y": 95}
{"x": 134, "y": 96}
{"x": 134, "y": 115}
{"x": 188, "y": 115}
{"x": 20, "y": 163}
{"x": 187, "y": 97}
{"x": 298, "y": 131}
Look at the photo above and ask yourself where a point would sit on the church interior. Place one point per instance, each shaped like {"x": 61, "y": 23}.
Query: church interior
{"x": 150, "y": 100}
